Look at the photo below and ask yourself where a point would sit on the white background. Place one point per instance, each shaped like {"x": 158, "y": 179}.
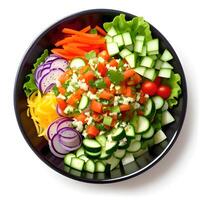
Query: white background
{"x": 24, "y": 176}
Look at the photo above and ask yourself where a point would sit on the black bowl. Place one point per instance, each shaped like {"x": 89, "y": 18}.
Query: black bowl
{"x": 40, "y": 146}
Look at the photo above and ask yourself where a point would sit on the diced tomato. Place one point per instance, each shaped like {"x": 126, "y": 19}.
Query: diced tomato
{"x": 83, "y": 69}
{"x": 107, "y": 81}
{"x": 102, "y": 68}
{"x": 88, "y": 76}
{"x": 124, "y": 107}
{"x": 81, "y": 117}
{"x": 61, "y": 103}
{"x": 128, "y": 92}
{"x": 105, "y": 95}
{"x": 72, "y": 100}
{"x": 104, "y": 54}
{"x": 113, "y": 63}
{"x": 92, "y": 131}
{"x": 142, "y": 99}
{"x": 97, "y": 117}
{"x": 62, "y": 90}
{"x": 65, "y": 76}
{"x": 79, "y": 93}
{"x": 128, "y": 74}
{"x": 93, "y": 90}
{"x": 96, "y": 106}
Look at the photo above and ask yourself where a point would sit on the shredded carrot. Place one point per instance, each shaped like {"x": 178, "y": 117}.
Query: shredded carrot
{"x": 100, "y": 30}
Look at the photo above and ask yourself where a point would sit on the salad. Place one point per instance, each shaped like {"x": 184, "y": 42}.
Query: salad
{"x": 103, "y": 95}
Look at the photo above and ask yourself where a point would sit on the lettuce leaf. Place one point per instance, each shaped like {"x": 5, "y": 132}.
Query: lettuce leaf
{"x": 174, "y": 82}
{"x": 29, "y": 85}
{"x": 136, "y": 26}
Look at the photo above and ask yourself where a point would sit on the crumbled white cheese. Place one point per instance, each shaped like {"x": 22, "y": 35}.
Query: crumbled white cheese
{"x": 91, "y": 96}
{"x": 87, "y": 114}
{"x": 116, "y": 125}
{"x": 74, "y": 78}
{"x": 110, "y": 67}
{"x": 123, "y": 124}
{"x": 126, "y": 65}
{"x": 58, "y": 84}
{"x": 89, "y": 120}
{"x": 126, "y": 100}
{"x": 100, "y": 59}
{"x": 78, "y": 125}
{"x": 60, "y": 96}
{"x": 117, "y": 87}
{"x": 137, "y": 96}
{"x": 136, "y": 105}
{"x": 112, "y": 86}
{"x": 81, "y": 84}
{"x": 70, "y": 88}
{"x": 101, "y": 132}
{"x": 146, "y": 96}
{"x": 84, "y": 133}
{"x": 93, "y": 62}
{"x": 116, "y": 100}
{"x": 68, "y": 109}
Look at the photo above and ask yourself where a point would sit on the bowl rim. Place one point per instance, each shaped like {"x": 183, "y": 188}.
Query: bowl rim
{"x": 124, "y": 177}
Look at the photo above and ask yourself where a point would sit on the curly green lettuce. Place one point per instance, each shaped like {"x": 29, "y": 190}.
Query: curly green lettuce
{"x": 174, "y": 82}
{"x": 29, "y": 85}
{"x": 136, "y": 26}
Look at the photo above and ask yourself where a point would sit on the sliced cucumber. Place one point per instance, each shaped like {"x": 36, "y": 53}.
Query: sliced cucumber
{"x": 91, "y": 145}
{"x": 111, "y": 146}
{"x": 112, "y": 32}
{"x": 101, "y": 139}
{"x": 166, "y": 56}
{"x": 166, "y": 65}
{"x": 119, "y": 40}
{"x": 100, "y": 167}
{"x": 134, "y": 146}
{"x": 138, "y": 137}
{"x": 130, "y": 132}
{"x": 147, "y": 62}
{"x": 152, "y": 45}
{"x": 148, "y": 107}
{"x": 158, "y": 64}
{"x": 124, "y": 143}
{"x": 118, "y": 134}
{"x": 140, "y": 152}
{"x": 143, "y": 124}
{"x": 68, "y": 158}
{"x": 77, "y": 163}
{"x": 89, "y": 166}
{"x": 138, "y": 46}
{"x": 147, "y": 143}
{"x": 128, "y": 158}
{"x": 140, "y": 70}
{"x": 113, "y": 162}
{"x": 165, "y": 106}
{"x": 130, "y": 47}
{"x": 92, "y": 155}
{"x": 150, "y": 74}
{"x": 125, "y": 52}
{"x": 144, "y": 51}
{"x": 112, "y": 48}
{"x": 149, "y": 133}
{"x": 159, "y": 137}
{"x": 80, "y": 152}
{"x": 108, "y": 39}
{"x": 103, "y": 154}
{"x": 131, "y": 59}
{"x": 83, "y": 157}
{"x": 158, "y": 101}
{"x": 77, "y": 63}
{"x": 119, "y": 153}
{"x": 127, "y": 38}
{"x": 167, "y": 118}
{"x": 165, "y": 73}
{"x": 83, "y": 102}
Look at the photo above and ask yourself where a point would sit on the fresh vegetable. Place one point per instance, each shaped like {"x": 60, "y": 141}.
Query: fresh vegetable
{"x": 149, "y": 88}
{"x": 164, "y": 91}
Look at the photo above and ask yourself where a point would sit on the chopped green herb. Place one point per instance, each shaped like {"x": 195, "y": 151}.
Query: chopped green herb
{"x": 100, "y": 127}
{"x": 90, "y": 55}
{"x": 55, "y": 90}
{"x": 100, "y": 84}
{"x": 115, "y": 76}
{"x": 91, "y": 83}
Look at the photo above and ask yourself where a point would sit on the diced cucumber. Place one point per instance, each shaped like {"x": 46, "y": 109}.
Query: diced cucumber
{"x": 127, "y": 38}
{"x": 68, "y": 158}
{"x": 131, "y": 59}
{"x": 140, "y": 38}
{"x": 119, "y": 40}
{"x": 150, "y": 74}
{"x": 167, "y": 118}
{"x": 158, "y": 101}
{"x": 147, "y": 62}
{"x": 144, "y": 51}
{"x": 152, "y": 45}
{"x": 124, "y": 143}
{"x": 99, "y": 167}
{"x": 130, "y": 47}
{"x": 92, "y": 155}
{"x": 165, "y": 73}
{"x": 112, "y": 48}
{"x": 112, "y": 32}
{"x": 140, "y": 70}
{"x": 138, "y": 137}
{"x": 89, "y": 166}
{"x": 138, "y": 46}
{"x": 129, "y": 130}
{"x": 118, "y": 134}
{"x": 153, "y": 53}
{"x": 107, "y": 120}
{"x": 158, "y": 64}
{"x": 119, "y": 153}
{"x": 128, "y": 158}
{"x": 166, "y": 65}
{"x": 134, "y": 146}
{"x": 91, "y": 145}
{"x": 83, "y": 157}
{"x": 147, "y": 143}
{"x": 165, "y": 106}
{"x": 113, "y": 162}
{"x": 166, "y": 56}
{"x": 125, "y": 52}
{"x": 108, "y": 39}
{"x": 77, "y": 163}
{"x": 143, "y": 124}
{"x": 103, "y": 154}
{"x": 159, "y": 137}
{"x": 111, "y": 146}
{"x": 101, "y": 139}
{"x": 115, "y": 109}
{"x": 77, "y": 63}
{"x": 140, "y": 152}
{"x": 80, "y": 152}
{"x": 149, "y": 133}
{"x": 83, "y": 102}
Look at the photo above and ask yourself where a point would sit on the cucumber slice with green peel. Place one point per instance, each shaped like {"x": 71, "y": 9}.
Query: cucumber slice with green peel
{"x": 127, "y": 38}
{"x": 166, "y": 65}
{"x": 91, "y": 145}
{"x": 143, "y": 124}
{"x": 159, "y": 137}
{"x": 84, "y": 157}
{"x": 144, "y": 51}
{"x": 68, "y": 158}
{"x": 134, "y": 146}
{"x": 149, "y": 133}
{"x": 119, "y": 153}
{"x": 124, "y": 143}
{"x": 138, "y": 46}
{"x": 101, "y": 139}
{"x": 112, "y": 32}
{"x": 158, "y": 64}
{"x": 147, "y": 143}
{"x": 111, "y": 146}
{"x": 165, "y": 73}
{"x": 83, "y": 102}
{"x": 103, "y": 154}
{"x": 138, "y": 137}
{"x": 130, "y": 132}
{"x": 119, "y": 40}
{"x": 118, "y": 134}
{"x": 112, "y": 48}
{"x": 140, "y": 38}
{"x": 166, "y": 56}
{"x": 131, "y": 59}
{"x": 80, "y": 152}
{"x": 89, "y": 166}
{"x": 113, "y": 162}
{"x": 152, "y": 45}
{"x": 167, "y": 118}
{"x": 99, "y": 166}
{"x": 147, "y": 62}
{"x": 148, "y": 108}
{"x": 165, "y": 106}
{"x": 158, "y": 101}
{"x": 125, "y": 52}
{"x": 128, "y": 158}
{"x": 140, "y": 152}
{"x": 92, "y": 155}
{"x": 150, "y": 74}
{"x": 77, "y": 163}
{"x": 108, "y": 38}
{"x": 140, "y": 70}
{"x": 153, "y": 53}
{"x": 130, "y": 47}
{"x": 77, "y": 63}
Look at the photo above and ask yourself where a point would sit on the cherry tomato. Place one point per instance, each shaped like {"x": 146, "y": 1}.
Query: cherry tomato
{"x": 157, "y": 81}
{"x": 104, "y": 54}
{"x": 149, "y": 88}
{"x": 164, "y": 91}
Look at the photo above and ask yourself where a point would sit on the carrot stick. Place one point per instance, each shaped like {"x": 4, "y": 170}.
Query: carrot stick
{"x": 100, "y": 30}
{"x": 74, "y": 44}
{"x": 64, "y": 54}
{"x": 86, "y": 29}
{"x": 64, "y": 41}
{"x": 89, "y": 41}
{"x": 75, "y": 50}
